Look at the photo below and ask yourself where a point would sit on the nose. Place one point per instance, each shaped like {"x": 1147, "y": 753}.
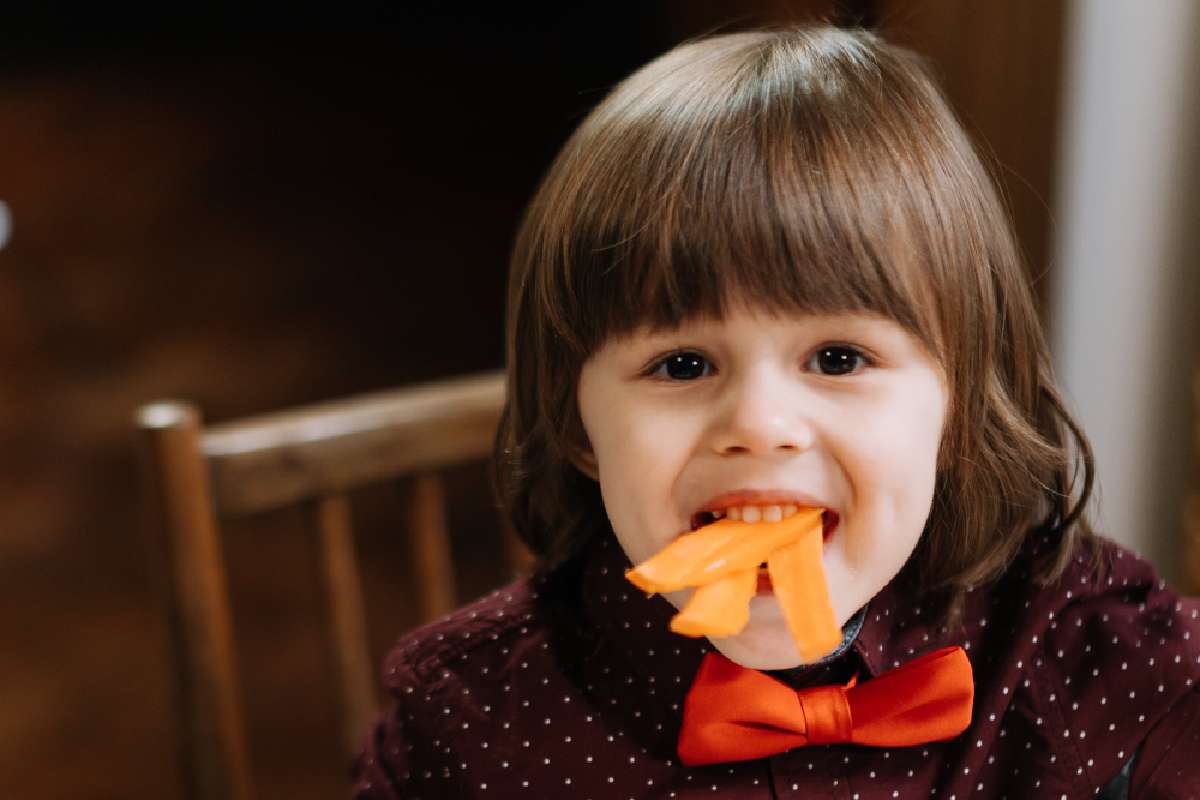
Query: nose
{"x": 763, "y": 413}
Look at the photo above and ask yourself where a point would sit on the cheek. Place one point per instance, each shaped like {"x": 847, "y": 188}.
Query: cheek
{"x": 919, "y": 446}
{"x": 896, "y": 462}
{"x": 909, "y": 430}
{"x": 638, "y": 468}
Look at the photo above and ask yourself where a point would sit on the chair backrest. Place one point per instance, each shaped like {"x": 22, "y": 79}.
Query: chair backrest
{"x": 314, "y": 455}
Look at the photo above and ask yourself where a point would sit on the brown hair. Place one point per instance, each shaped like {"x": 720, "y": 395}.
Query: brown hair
{"x": 810, "y": 169}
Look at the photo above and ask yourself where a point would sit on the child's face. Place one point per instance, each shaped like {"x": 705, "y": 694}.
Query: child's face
{"x": 843, "y": 411}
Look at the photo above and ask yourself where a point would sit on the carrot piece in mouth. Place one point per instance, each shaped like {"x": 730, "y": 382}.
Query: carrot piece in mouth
{"x": 718, "y": 550}
{"x": 722, "y": 561}
{"x": 798, "y": 579}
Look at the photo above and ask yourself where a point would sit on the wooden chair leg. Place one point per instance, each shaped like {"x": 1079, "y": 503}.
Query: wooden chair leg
{"x": 213, "y": 751}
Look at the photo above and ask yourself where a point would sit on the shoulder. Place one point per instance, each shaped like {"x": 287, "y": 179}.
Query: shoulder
{"x": 446, "y": 680}
{"x": 1124, "y": 611}
{"x": 480, "y": 635}
{"x": 1166, "y": 765}
{"x": 1118, "y": 667}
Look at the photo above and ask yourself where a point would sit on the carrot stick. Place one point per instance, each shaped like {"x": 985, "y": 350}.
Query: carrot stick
{"x": 720, "y": 608}
{"x": 798, "y": 578}
{"x": 718, "y": 550}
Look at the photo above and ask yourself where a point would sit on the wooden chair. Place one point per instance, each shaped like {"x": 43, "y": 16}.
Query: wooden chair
{"x": 312, "y": 455}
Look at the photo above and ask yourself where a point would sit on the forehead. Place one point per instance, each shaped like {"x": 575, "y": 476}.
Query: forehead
{"x": 706, "y": 266}
{"x": 738, "y": 311}
{"x": 748, "y": 311}
{"x": 748, "y": 320}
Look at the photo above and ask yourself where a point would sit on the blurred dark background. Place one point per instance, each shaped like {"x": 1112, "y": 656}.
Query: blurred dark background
{"x": 253, "y": 220}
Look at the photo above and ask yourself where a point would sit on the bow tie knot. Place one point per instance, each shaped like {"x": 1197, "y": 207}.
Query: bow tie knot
{"x": 826, "y": 711}
{"x": 735, "y": 714}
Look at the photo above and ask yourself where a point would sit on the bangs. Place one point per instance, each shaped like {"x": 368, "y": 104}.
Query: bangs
{"x": 745, "y": 181}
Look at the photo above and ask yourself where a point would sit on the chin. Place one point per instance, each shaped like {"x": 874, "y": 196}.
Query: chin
{"x": 765, "y": 643}
{"x": 759, "y": 652}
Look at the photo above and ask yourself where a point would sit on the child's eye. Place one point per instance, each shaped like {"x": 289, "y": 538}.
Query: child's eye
{"x": 682, "y": 366}
{"x": 839, "y": 359}
{"x": 834, "y": 359}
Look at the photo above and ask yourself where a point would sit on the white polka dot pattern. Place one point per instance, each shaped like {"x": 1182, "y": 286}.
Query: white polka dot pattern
{"x": 573, "y": 687}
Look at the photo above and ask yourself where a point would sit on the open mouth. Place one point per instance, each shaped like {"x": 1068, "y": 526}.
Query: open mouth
{"x": 764, "y": 581}
{"x": 829, "y": 521}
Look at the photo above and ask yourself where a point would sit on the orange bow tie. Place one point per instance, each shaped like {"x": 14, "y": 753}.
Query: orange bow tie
{"x": 736, "y": 714}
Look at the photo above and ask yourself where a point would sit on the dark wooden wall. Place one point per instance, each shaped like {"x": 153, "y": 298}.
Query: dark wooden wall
{"x": 254, "y": 221}
{"x": 1001, "y": 64}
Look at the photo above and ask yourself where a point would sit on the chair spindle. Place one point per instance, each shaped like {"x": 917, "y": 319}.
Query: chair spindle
{"x": 431, "y": 546}
{"x": 350, "y": 650}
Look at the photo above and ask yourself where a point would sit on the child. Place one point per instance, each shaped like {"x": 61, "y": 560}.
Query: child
{"x": 769, "y": 273}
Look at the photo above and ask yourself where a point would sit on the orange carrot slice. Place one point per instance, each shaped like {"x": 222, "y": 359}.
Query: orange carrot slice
{"x": 720, "y": 608}
{"x": 798, "y": 578}
{"x": 718, "y": 550}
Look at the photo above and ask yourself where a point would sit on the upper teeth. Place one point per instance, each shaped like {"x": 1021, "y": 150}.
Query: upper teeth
{"x": 757, "y": 513}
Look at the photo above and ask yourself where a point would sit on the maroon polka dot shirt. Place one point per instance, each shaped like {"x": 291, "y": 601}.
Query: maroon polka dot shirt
{"x": 571, "y": 686}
